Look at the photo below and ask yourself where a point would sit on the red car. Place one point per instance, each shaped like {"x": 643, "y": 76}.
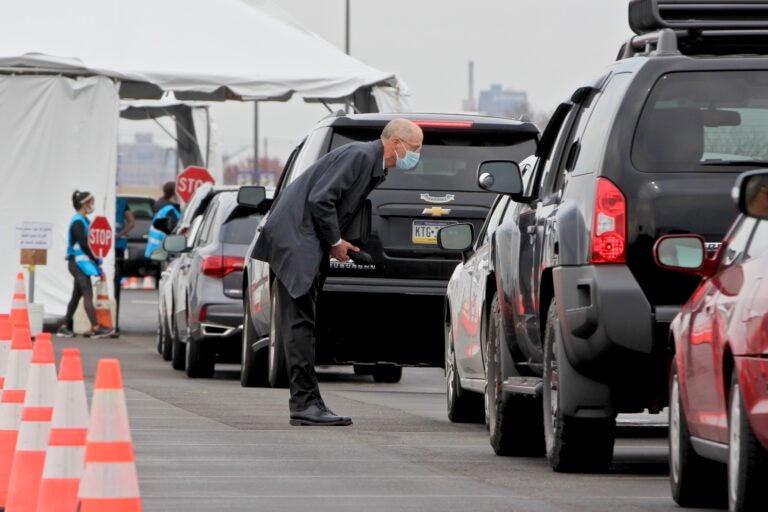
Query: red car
{"x": 718, "y": 409}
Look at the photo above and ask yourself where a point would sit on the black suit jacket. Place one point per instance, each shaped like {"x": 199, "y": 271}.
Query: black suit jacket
{"x": 308, "y": 215}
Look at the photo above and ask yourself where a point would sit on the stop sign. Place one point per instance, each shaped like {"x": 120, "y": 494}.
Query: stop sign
{"x": 189, "y": 181}
{"x": 100, "y": 236}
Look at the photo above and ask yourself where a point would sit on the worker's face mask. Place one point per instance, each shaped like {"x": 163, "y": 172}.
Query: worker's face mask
{"x": 407, "y": 162}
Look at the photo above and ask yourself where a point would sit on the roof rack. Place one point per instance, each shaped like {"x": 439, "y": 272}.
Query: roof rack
{"x": 651, "y": 15}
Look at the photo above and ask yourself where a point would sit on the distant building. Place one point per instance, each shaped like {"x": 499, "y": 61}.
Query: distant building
{"x": 503, "y": 102}
{"x": 239, "y": 169}
{"x": 144, "y": 163}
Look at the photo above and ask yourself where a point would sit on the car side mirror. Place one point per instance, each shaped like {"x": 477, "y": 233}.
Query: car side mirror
{"x": 500, "y": 176}
{"x": 751, "y": 193}
{"x": 683, "y": 253}
{"x": 254, "y": 197}
{"x": 175, "y": 243}
{"x": 162, "y": 224}
{"x": 457, "y": 237}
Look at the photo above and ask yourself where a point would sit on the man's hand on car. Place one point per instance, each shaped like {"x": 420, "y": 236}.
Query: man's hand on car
{"x": 340, "y": 251}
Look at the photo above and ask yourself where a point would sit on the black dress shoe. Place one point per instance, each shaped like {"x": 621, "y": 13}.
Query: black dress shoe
{"x": 315, "y": 415}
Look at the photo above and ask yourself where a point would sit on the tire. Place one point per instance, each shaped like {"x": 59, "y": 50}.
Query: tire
{"x": 362, "y": 370}
{"x": 255, "y": 365}
{"x": 166, "y": 346}
{"x": 159, "y": 333}
{"x": 573, "y": 445}
{"x": 463, "y": 406}
{"x": 178, "y": 352}
{"x": 387, "y": 373}
{"x": 201, "y": 359}
{"x": 695, "y": 481}
{"x": 278, "y": 371}
{"x": 515, "y": 422}
{"x": 747, "y": 459}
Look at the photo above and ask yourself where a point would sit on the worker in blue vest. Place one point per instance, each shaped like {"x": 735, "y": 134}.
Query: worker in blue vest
{"x": 167, "y": 207}
{"x": 83, "y": 265}
{"x": 124, "y": 223}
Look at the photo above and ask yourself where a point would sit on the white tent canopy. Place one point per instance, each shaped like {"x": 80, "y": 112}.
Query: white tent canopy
{"x": 200, "y": 49}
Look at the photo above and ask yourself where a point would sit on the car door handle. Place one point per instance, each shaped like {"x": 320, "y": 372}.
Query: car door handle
{"x": 531, "y": 230}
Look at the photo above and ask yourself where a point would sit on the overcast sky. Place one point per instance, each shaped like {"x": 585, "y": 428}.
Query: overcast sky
{"x": 547, "y": 47}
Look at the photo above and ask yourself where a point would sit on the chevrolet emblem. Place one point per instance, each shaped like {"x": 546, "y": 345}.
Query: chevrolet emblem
{"x": 436, "y": 211}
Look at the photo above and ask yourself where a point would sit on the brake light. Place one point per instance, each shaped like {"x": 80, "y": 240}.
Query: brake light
{"x": 221, "y": 266}
{"x": 203, "y": 313}
{"x": 609, "y": 226}
{"x": 445, "y": 124}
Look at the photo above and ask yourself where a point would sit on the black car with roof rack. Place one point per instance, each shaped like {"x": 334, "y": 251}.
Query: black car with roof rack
{"x": 388, "y": 314}
{"x": 576, "y": 314}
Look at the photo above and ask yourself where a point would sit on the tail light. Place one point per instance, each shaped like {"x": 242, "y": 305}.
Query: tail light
{"x": 203, "y": 313}
{"x": 609, "y": 226}
{"x": 221, "y": 266}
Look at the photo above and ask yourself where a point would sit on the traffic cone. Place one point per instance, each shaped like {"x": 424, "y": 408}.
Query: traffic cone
{"x": 101, "y": 305}
{"x": 132, "y": 283}
{"x": 148, "y": 283}
{"x": 12, "y": 403}
{"x": 109, "y": 482}
{"x": 19, "y": 311}
{"x": 28, "y": 461}
{"x": 64, "y": 460}
{"x": 6, "y": 331}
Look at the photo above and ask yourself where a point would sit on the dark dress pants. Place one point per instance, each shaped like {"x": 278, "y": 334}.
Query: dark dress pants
{"x": 296, "y": 330}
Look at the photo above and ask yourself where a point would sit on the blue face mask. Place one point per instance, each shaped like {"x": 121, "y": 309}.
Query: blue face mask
{"x": 409, "y": 161}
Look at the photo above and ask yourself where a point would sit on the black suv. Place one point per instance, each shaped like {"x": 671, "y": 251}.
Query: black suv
{"x": 387, "y": 314}
{"x": 571, "y": 308}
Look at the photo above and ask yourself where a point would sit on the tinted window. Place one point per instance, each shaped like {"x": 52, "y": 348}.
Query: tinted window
{"x": 759, "y": 243}
{"x": 492, "y": 221}
{"x": 449, "y": 160}
{"x": 240, "y": 230}
{"x": 694, "y": 120}
{"x": 593, "y": 138}
{"x": 141, "y": 207}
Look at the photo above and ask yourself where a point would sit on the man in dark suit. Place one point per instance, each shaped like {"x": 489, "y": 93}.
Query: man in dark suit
{"x": 303, "y": 228}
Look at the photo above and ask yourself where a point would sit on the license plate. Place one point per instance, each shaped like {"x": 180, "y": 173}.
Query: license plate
{"x": 425, "y": 231}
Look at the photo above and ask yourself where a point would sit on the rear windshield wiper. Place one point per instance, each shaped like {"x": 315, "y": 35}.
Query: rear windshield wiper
{"x": 736, "y": 163}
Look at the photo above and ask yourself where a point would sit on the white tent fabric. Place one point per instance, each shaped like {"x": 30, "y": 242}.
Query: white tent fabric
{"x": 182, "y": 45}
{"x": 56, "y": 135}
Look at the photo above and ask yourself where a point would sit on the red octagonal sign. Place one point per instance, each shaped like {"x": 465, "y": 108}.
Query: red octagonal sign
{"x": 100, "y": 236}
{"x": 189, "y": 181}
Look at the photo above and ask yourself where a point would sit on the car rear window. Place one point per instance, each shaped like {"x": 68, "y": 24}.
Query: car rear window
{"x": 449, "y": 160}
{"x": 240, "y": 230}
{"x": 141, "y": 208}
{"x": 703, "y": 121}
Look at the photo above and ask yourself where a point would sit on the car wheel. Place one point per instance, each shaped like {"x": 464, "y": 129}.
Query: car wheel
{"x": 747, "y": 459}
{"x": 201, "y": 359}
{"x": 160, "y": 333}
{"x": 695, "y": 481}
{"x": 463, "y": 406}
{"x": 278, "y": 372}
{"x": 514, "y": 421}
{"x": 165, "y": 341}
{"x": 255, "y": 365}
{"x": 387, "y": 373}
{"x": 572, "y": 444}
{"x": 178, "y": 351}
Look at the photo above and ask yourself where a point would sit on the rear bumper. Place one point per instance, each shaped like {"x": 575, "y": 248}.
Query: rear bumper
{"x": 221, "y": 321}
{"x": 612, "y": 335}
{"x": 753, "y": 380}
{"x": 392, "y": 286}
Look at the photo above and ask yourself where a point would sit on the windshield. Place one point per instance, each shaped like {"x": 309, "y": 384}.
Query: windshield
{"x": 449, "y": 161}
{"x": 695, "y": 120}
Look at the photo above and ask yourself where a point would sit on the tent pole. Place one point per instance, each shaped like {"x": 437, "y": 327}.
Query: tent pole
{"x": 346, "y": 38}
{"x": 256, "y": 137}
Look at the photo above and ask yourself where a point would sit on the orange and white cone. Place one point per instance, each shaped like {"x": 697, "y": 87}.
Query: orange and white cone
{"x": 19, "y": 310}
{"x": 12, "y": 403}
{"x": 101, "y": 305}
{"x": 6, "y": 331}
{"x": 148, "y": 283}
{"x": 28, "y": 461}
{"x": 109, "y": 482}
{"x": 65, "y": 458}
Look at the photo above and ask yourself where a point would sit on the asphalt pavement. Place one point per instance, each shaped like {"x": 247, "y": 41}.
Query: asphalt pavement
{"x": 210, "y": 445}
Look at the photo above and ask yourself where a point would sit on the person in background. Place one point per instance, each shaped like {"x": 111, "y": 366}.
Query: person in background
{"x": 83, "y": 265}
{"x": 124, "y": 223}
{"x": 167, "y": 207}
